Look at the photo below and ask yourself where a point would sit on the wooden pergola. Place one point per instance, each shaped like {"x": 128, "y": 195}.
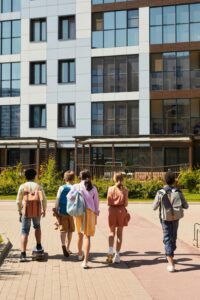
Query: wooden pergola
{"x": 148, "y": 140}
{"x": 36, "y": 143}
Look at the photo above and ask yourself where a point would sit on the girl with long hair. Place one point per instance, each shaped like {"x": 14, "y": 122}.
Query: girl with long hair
{"x": 85, "y": 225}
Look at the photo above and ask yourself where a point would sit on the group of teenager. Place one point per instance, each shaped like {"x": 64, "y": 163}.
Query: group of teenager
{"x": 32, "y": 204}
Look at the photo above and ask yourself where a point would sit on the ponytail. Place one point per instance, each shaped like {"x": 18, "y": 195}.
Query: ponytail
{"x": 88, "y": 184}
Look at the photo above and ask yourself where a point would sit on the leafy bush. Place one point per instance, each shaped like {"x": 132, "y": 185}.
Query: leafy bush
{"x": 151, "y": 187}
{"x": 11, "y": 179}
{"x": 189, "y": 179}
{"x": 1, "y": 239}
{"x": 50, "y": 178}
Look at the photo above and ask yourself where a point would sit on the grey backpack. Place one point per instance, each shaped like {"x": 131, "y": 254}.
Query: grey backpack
{"x": 171, "y": 207}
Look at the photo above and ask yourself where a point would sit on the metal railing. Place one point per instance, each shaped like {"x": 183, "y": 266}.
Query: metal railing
{"x": 135, "y": 172}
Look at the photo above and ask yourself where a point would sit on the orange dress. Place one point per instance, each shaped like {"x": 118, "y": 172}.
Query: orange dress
{"x": 117, "y": 202}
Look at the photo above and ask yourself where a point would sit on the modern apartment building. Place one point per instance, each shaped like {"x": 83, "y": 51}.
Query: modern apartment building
{"x": 101, "y": 81}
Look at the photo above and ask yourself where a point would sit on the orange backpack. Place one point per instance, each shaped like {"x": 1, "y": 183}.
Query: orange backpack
{"x": 32, "y": 203}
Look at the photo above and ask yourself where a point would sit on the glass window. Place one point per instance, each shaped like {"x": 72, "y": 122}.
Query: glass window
{"x": 133, "y": 37}
{"x": 168, "y": 15}
{"x": 9, "y": 121}
{"x": 115, "y": 74}
{"x": 156, "y": 35}
{"x": 156, "y": 16}
{"x": 66, "y": 115}
{"x": 6, "y": 6}
{"x": 37, "y": 116}
{"x": 109, "y": 38}
{"x": 182, "y": 33}
{"x": 115, "y": 29}
{"x": 169, "y": 34}
{"x": 182, "y": 14}
{"x": 194, "y": 12}
{"x": 195, "y": 32}
{"x": 38, "y": 72}
{"x": 121, "y": 19}
{"x": 97, "y": 22}
{"x": 180, "y": 23}
{"x": 109, "y": 20}
{"x": 121, "y": 37}
{"x": 16, "y": 5}
{"x": 38, "y": 30}
{"x": 10, "y": 80}
{"x": 66, "y": 71}
{"x": 67, "y": 28}
{"x": 133, "y": 18}
{"x": 195, "y": 69}
{"x": 10, "y": 37}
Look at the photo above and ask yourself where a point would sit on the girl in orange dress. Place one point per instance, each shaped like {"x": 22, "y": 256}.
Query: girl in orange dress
{"x": 117, "y": 199}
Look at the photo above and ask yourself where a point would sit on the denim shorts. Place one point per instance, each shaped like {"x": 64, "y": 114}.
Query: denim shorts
{"x": 26, "y": 224}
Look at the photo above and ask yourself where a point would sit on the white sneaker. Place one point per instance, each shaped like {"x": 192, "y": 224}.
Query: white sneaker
{"x": 81, "y": 257}
{"x": 170, "y": 268}
{"x": 84, "y": 265}
{"x": 116, "y": 259}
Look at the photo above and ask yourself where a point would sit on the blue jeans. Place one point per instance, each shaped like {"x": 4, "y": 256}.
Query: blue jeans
{"x": 26, "y": 224}
{"x": 170, "y": 229}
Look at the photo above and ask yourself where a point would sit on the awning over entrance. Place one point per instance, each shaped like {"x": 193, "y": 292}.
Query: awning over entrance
{"x": 88, "y": 142}
{"x": 36, "y": 143}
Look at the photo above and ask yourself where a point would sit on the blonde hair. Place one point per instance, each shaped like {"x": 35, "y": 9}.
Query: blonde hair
{"x": 118, "y": 178}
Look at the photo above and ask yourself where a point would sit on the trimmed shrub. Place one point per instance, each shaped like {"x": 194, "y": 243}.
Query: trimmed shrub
{"x": 189, "y": 179}
{"x": 151, "y": 187}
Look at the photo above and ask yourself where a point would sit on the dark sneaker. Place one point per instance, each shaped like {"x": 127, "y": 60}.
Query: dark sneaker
{"x": 65, "y": 252}
{"x": 23, "y": 257}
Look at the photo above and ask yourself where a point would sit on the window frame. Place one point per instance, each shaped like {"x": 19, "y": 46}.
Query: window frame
{"x": 31, "y": 116}
{"x": 32, "y": 29}
{"x": 68, "y": 105}
{"x": 68, "y": 61}
{"x": 60, "y": 27}
{"x": 32, "y": 65}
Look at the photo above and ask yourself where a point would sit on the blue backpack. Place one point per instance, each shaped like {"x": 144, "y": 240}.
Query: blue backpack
{"x": 62, "y": 202}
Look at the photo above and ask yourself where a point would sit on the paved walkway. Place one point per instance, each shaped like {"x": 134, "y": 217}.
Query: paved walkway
{"x": 141, "y": 275}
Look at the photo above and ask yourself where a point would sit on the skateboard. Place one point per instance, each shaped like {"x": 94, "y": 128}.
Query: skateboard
{"x": 38, "y": 255}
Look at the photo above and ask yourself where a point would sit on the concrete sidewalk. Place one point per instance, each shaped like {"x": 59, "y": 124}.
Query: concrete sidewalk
{"x": 141, "y": 275}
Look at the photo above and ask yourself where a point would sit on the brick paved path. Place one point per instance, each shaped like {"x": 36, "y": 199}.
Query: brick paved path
{"x": 141, "y": 275}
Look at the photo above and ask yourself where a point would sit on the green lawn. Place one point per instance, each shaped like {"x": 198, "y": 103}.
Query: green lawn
{"x": 193, "y": 197}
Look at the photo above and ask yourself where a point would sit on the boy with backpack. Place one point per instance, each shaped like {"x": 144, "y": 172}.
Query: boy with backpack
{"x": 171, "y": 203}
{"x": 31, "y": 202}
{"x": 65, "y": 221}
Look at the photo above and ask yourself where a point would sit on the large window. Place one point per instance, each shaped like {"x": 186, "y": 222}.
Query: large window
{"x": 115, "y": 118}
{"x": 175, "y": 70}
{"x": 115, "y": 29}
{"x": 9, "y": 6}
{"x": 10, "y": 37}
{"x": 38, "y": 72}
{"x": 66, "y": 115}
{"x": 38, "y": 30}
{"x": 37, "y": 116}
{"x": 66, "y": 28}
{"x": 66, "y": 71}
{"x": 115, "y": 74}
{"x": 9, "y": 120}
{"x": 175, "y": 24}
{"x": 9, "y": 79}
{"x": 175, "y": 116}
